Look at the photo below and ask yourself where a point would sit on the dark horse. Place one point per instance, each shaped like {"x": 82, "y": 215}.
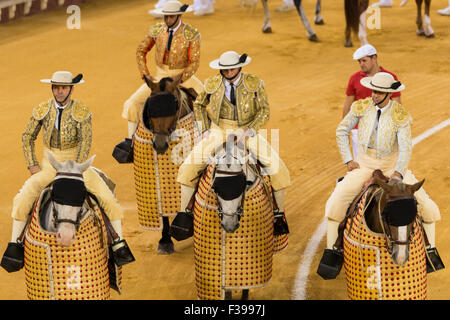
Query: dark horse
{"x": 355, "y": 20}
{"x": 167, "y": 104}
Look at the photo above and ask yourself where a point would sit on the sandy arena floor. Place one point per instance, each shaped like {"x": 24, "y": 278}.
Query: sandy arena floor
{"x": 305, "y": 83}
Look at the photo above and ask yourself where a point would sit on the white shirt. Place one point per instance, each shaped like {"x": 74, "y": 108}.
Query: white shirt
{"x": 228, "y": 86}
{"x": 176, "y": 28}
{"x": 57, "y": 106}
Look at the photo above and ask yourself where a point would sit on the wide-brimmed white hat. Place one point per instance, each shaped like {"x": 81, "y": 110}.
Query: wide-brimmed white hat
{"x": 230, "y": 60}
{"x": 364, "y": 51}
{"x": 383, "y": 82}
{"x": 172, "y": 7}
{"x": 64, "y": 78}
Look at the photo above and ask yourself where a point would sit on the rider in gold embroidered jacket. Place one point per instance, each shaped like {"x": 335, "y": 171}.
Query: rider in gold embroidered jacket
{"x": 184, "y": 52}
{"x": 76, "y": 130}
{"x": 252, "y": 106}
{"x": 394, "y": 132}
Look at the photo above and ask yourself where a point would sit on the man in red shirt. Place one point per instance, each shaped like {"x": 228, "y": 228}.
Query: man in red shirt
{"x": 368, "y": 62}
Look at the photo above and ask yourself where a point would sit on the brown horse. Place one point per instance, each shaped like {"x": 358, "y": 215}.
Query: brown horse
{"x": 167, "y": 111}
{"x": 355, "y": 19}
{"x": 381, "y": 218}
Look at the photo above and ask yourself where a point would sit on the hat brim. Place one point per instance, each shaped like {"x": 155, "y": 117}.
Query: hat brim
{"x": 366, "y": 82}
{"x": 61, "y": 83}
{"x": 161, "y": 11}
{"x": 215, "y": 64}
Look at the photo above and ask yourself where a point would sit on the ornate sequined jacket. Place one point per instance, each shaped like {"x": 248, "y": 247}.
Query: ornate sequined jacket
{"x": 252, "y": 106}
{"x": 393, "y": 134}
{"x": 75, "y": 130}
{"x": 184, "y": 50}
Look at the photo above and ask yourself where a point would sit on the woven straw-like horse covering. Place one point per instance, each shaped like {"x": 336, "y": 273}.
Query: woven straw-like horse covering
{"x": 370, "y": 271}
{"x": 157, "y": 191}
{"x": 233, "y": 261}
{"x": 67, "y": 273}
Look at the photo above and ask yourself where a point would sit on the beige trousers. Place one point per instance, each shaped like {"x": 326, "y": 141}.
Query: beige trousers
{"x": 347, "y": 189}
{"x": 31, "y": 189}
{"x": 133, "y": 106}
{"x": 258, "y": 145}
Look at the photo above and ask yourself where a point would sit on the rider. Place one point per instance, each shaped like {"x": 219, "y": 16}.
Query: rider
{"x": 67, "y": 133}
{"x": 384, "y": 142}
{"x": 367, "y": 58}
{"x": 232, "y": 102}
{"x": 177, "y": 56}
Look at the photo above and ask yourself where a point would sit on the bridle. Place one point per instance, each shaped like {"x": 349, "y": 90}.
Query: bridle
{"x": 56, "y": 218}
{"x": 390, "y": 242}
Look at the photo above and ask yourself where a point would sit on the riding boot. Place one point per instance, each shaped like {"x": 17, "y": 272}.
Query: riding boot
{"x": 331, "y": 262}
{"x": 13, "y": 258}
{"x": 279, "y": 197}
{"x": 186, "y": 195}
{"x": 280, "y": 225}
{"x": 117, "y": 225}
{"x": 434, "y": 261}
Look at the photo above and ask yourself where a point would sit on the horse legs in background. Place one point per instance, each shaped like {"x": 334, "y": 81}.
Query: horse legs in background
{"x": 266, "y": 27}
{"x": 311, "y": 33}
{"x": 318, "y": 19}
{"x": 424, "y": 28}
{"x": 355, "y": 18}
{"x": 165, "y": 245}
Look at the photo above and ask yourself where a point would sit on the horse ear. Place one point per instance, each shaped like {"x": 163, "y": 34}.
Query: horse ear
{"x": 417, "y": 186}
{"x": 85, "y": 165}
{"x": 152, "y": 85}
{"x": 386, "y": 187}
{"x": 55, "y": 163}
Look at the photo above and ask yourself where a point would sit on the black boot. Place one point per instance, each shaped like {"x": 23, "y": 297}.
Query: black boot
{"x": 13, "y": 257}
{"x": 434, "y": 262}
{"x": 280, "y": 225}
{"x": 331, "y": 263}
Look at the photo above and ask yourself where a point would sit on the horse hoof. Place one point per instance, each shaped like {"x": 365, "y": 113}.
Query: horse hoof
{"x": 165, "y": 248}
{"x": 420, "y": 33}
{"x": 429, "y": 36}
{"x": 313, "y": 38}
{"x": 319, "y": 22}
{"x": 267, "y": 30}
{"x": 348, "y": 44}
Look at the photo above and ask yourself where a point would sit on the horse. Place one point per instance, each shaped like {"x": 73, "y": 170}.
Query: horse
{"x": 234, "y": 238}
{"x": 267, "y": 26}
{"x": 355, "y": 18}
{"x": 166, "y": 129}
{"x": 66, "y": 256}
{"x": 384, "y": 248}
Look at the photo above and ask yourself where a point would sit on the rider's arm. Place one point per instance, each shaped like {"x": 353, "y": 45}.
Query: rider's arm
{"x": 84, "y": 132}
{"x": 347, "y": 104}
{"x": 262, "y": 107}
{"x": 342, "y": 134}
{"x": 404, "y": 148}
{"x": 194, "y": 59}
{"x": 141, "y": 54}
{"x": 28, "y": 137}
{"x": 200, "y": 113}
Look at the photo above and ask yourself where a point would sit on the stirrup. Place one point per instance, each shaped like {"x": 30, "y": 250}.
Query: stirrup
{"x": 331, "y": 263}
{"x": 13, "y": 258}
{"x": 434, "y": 261}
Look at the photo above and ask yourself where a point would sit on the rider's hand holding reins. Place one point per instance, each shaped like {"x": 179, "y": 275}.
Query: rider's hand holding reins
{"x": 396, "y": 175}
{"x": 34, "y": 169}
{"x": 351, "y": 165}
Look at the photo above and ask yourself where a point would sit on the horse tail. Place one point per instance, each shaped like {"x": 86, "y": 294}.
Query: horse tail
{"x": 352, "y": 14}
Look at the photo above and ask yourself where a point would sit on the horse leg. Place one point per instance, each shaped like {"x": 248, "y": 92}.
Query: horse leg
{"x": 228, "y": 295}
{"x": 245, "y": 294}
{"x": 165, "y": 245}
{"x": 429, "y": 33}
{"x": 420, "y": 31}
{"x": 266, "y": 27}
{"x": 311, "y": 34}
{"x": 362, "y": 35}
{"x": 318, "y": 19}
{"x": 351, "y": 20}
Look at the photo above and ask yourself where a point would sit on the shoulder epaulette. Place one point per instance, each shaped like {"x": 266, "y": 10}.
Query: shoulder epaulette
{"x": 80, "y": 111}
{"x": 251, "y": 82}
{"x": 41, "y": 110}
{"x": 156, "y": 29}
{"x": 399, "y": 114}
{"x": 190, "y": 32}
{"x": 359, "y": 107}
{"x": 213, "y": 83}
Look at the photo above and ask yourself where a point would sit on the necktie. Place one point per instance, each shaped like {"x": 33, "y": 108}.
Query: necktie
{"x": 378, "y": 114}
{"x": 60, "y": 110}
{"x": 169, "y": 43}
{"x": 232, "y": 94}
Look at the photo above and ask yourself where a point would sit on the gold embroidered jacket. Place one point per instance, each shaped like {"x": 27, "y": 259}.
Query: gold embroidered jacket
{"x": 394, "y": 131}
{"x": 75, "y": 130}
{"x": 184, "y": 50}
{"x": 252, "y": 105}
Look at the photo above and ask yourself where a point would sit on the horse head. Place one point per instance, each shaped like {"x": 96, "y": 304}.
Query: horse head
{"x": 397, "y": 211}
{"x": 161, "y": 111}
{"x": 232, "y": 177}
{"x": 67, "y": 198}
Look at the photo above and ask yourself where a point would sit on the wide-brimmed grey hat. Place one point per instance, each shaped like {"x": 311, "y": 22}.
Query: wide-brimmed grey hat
{"x": 64, "y": 78}
{"x": 383, "y": 82}
{"x": 230, "y": 60}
